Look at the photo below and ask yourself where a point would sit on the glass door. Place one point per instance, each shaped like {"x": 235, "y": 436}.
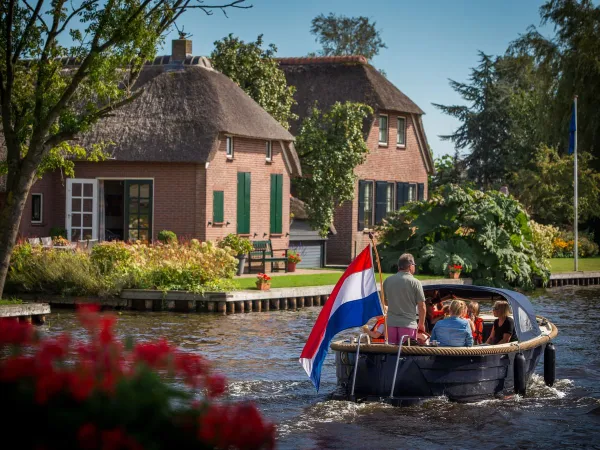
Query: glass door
{"x": 138, "y": 210}
{"x": 82, "y": 205}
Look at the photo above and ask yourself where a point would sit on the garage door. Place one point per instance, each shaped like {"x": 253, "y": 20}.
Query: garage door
{"x": 310, "y": 251}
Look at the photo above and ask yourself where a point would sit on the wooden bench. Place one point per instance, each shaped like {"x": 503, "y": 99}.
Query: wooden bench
{"x": 263, "y": 252}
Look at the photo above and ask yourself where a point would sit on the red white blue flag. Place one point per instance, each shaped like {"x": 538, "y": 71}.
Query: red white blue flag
{"x": 352, "y": 303}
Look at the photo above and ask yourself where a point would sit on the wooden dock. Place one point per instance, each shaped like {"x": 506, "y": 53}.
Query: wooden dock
{"x": 26, "y": 312}
{"x": 218, "y": 302}
{"x": 574, "y": 279}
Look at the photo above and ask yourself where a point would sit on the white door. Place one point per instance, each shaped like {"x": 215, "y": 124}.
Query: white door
{"x": 82, "y": 209}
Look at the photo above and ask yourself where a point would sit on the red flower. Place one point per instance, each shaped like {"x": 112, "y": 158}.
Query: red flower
{"x": 106, "y": 329}
{"x": 113, "y": 439}
{"x": 155, "y": 354}
{"x": 48, "y": 385}
{"x": 13, "y": 332}
{"x": 216, "y": 385}
{"x": 16, "y": 368}
{"x": 87, "y": 314}
{"x": 191, "y": 366}
{"x": 81, "y": 386}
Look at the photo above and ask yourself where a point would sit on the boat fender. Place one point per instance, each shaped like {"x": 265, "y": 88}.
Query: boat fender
{"x": 550, "y": 364}
{"x": 520, "y": 374}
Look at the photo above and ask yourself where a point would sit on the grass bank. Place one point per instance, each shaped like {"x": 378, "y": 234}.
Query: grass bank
{"x": 561, "y": 265}
{"x": 318, "y": 279}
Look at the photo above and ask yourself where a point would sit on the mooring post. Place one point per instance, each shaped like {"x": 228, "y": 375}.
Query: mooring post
{"x": 221, "y": 307}
{"x": 292, "y": 303}
{"x": 248, "y": 306}
{"x": 266, "y": 305}
{"x": 230, "y": 307}
{"x": 300, "y": 302}
{"x": 274, "y": 304}
{"x": 239, "y": 306}
{"x": 210, "y": 307}
{"x": 257, "y": 305}
{"x": 283, "y": 303}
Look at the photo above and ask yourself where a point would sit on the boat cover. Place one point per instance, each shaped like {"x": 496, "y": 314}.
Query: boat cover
{"x": 526, "y": 325}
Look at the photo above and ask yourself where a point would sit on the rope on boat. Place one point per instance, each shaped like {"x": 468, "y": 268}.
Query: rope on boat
{"x": 448, "y": 351}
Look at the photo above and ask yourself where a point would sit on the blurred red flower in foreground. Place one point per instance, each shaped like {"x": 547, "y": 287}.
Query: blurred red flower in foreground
{"x": 95, "y": 394}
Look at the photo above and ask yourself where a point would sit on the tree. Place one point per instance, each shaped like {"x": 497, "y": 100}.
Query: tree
{"x": 546, "y": 188}
{"x": 342, "y": 35}
{"x": 448, "y": 170}
{"x": 330, "y": 145}
{"x": 45, "y": 104}
{"x": 257, "y": 72}
{"x": 485, "y": 128}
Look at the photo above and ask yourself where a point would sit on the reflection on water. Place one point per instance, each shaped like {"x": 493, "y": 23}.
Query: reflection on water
{"x": 259, "y": 353}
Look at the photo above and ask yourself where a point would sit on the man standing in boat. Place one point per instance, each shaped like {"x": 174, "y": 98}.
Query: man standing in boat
{"x": 404, "y": 296}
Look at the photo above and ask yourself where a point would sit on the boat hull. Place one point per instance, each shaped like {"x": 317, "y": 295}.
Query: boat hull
{"x": 460, "y": 378}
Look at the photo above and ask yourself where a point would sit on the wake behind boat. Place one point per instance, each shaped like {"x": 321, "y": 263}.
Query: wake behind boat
{"x": 412, "y": 373}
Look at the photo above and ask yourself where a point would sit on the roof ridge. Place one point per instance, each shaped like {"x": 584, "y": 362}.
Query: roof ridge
{"x": 293, "y": 60}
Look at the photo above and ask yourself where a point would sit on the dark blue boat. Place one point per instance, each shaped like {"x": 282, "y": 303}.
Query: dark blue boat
{"x": 462, "y": 374}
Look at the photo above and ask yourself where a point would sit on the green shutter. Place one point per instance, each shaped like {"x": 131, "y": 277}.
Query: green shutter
{"x": 218, "y": 215}
{"x": 243, "y": 203}
{"x": 276, "y": 216}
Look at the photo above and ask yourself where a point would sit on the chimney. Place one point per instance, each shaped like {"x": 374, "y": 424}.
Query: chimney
{"x": 180, "y": 49}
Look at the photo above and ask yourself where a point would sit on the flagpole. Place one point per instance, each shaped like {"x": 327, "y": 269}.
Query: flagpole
{"x": 575, "y": 244}
{"x": 382, "y": 296}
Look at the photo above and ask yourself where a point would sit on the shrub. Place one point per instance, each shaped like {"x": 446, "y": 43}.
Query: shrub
{"x": 240, "y": 245}
{"x": 167, "y": 237}
{"x": 99, "y": 393}
{"x": 543, "y": 237}
{"x": 563, "y": 244}
{"x": 487, "y": 233}
{"x": 58, "y": 231}
{"x": 53, "y": 272}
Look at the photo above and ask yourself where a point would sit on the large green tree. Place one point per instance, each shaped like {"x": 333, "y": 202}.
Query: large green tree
{"x": 256, "y": 71}
{"x": 44, "y": 104}
{"x": 330, "y": 145}
{"x": 342, "y": 35}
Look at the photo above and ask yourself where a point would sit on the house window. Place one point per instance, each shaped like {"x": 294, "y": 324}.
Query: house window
{"x": 269, "y": 150}
{"x": 229, "y": 146}
{"x": 401, "y": 135}
{"x": 365, "y": 205}
{"x": 36, "y": 208}
{"x": 390, "y": 198}
{"x": 383, "y": 129}
{"x": 412, "y": 192}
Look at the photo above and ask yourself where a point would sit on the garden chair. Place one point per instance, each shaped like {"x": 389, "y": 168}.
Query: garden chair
{"x": 34, "y": 242}
{"x": 47, "y": 242}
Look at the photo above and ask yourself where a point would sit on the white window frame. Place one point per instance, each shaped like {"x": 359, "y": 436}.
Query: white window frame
{"x": 229, "y": 147}
{"x": 41, "y": 207}
{"x": 400, "y": 144}
{"x": 269, "y": 151}
{"x": 414, "y": 187}
{"x": 391, "y": 201}
{"x": 371, "y": 204}
{"x": 387, "y": 129}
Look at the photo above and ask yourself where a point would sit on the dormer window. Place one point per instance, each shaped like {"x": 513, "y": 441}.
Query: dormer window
{"x": 269, "y": 151}
{"x": 229, "y": 146}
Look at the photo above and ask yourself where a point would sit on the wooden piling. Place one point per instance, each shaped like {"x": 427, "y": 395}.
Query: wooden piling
{"x": 221, "y": 307}
{"x": 248, "y": 306}
{"x": 210, "y": 307}
{"x": 230, "y": 307}
{"x": 292, "y": 303}
{"x": 148, "y": 305}
{"x": 275, "y": 304}
{"x": 39, "y": 319}
{"x": 266, "y": 305}
{"x": 308, "y": 301}
{"x": 257, "y": 305}
{"x": 239, "y": 306}
{"x": 283, "y": 303}
{"x": 26, "y": 319}
{"x": 300, "y": 302}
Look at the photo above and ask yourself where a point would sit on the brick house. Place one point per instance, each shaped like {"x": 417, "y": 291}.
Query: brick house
{"x": 399, "y": 161}
{"x": 194, "y": 154}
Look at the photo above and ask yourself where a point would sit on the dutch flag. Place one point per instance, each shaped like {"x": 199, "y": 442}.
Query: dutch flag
{"x": 352, "y": 303}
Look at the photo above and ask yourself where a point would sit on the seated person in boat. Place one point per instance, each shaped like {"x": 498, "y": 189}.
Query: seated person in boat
{"x": 435, "y": 309}
{"x": 377, "y": 332}
{"x": 503, "y": 330}
{"x": 454, "y": 331}
{"x": 476, "y": 322}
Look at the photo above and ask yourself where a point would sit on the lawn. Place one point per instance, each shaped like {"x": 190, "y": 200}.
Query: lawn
{"x": 560, "y": 265}
{"x": 318, "y": 279}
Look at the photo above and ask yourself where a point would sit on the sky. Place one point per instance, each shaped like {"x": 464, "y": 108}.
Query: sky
{"x": 429, "y": 41}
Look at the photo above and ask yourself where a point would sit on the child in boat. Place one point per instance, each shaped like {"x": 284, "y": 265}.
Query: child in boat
{"x": 454, "y": 331}
{"x": 476, "y": 323}
{"x": 377, "y": 332}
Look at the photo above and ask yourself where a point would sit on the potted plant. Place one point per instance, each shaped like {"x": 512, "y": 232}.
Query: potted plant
{"x": 293, "y": 258}
{"x": 454, "y": 271}
{"x": 263, "y": 282}
{"x": 241, "y": 246}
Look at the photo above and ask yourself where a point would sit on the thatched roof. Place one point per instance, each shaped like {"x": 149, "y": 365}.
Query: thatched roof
{"x": 347, "y": 78}
{"x": 181, "y": 115}
{"x": 327, "y": 80}
{"x": 298, "y": 211}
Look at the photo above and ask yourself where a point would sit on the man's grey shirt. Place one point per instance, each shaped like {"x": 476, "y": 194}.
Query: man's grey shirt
{"x": 403, "y": 292}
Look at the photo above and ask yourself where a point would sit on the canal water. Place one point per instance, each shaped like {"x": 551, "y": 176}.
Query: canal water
{"x": 259, "y": 354}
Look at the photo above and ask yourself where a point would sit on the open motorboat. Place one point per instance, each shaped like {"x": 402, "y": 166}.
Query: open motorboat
{"x": 409, "y": 374}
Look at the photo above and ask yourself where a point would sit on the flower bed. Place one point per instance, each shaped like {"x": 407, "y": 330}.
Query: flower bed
{"x": 114, "y": 266}
{"x": 102, "y": 394}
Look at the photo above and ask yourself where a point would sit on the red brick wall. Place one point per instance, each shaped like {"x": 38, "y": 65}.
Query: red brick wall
{"x": 383, "y": 163}
{"x": 249, "y": 156}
